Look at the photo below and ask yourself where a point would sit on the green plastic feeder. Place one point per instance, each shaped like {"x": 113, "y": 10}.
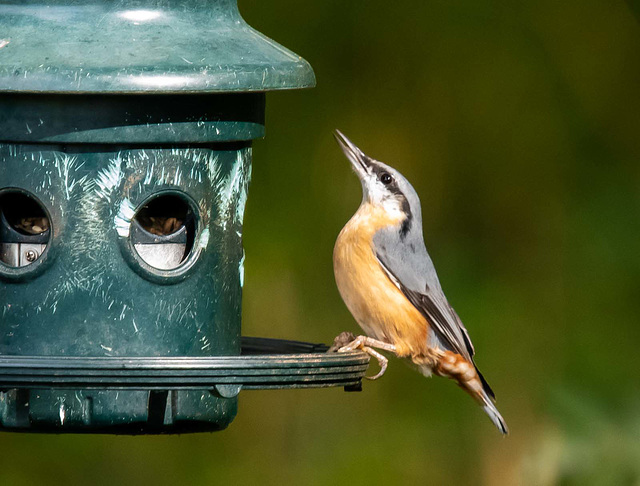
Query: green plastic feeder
{"x": 125, "y": 159}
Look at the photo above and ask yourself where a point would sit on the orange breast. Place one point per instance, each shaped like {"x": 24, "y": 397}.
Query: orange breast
{"x": 379, "y": 307}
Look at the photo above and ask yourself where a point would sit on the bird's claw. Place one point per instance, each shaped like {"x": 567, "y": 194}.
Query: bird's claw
{"x": 365, "y": 344}
{"x": 382, "y": 361}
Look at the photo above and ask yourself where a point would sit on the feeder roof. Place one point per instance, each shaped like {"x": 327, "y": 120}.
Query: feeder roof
{"x": 131, "y": 47}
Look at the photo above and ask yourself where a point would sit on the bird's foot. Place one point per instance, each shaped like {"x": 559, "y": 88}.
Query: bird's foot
{"x": 346, "y": 341}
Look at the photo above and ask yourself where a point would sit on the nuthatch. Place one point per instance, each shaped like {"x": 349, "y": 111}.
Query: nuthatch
{"x": 387, "y": 280}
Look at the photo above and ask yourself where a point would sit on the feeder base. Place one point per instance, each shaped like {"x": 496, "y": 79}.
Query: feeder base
{"x": 160, "y": 395}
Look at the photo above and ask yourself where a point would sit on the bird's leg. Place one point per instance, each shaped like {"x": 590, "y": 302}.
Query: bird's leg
{"x": 361, "y": 341}
{"x": 367, "y": 344}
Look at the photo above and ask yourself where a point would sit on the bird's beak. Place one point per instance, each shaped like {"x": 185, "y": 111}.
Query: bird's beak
{"x": 358, "y": 159}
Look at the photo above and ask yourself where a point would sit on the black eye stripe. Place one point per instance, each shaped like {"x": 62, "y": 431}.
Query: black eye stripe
{"x": 392, "y": 185}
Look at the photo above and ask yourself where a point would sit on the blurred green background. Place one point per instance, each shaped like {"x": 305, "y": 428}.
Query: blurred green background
{"x": 518, "y": 123}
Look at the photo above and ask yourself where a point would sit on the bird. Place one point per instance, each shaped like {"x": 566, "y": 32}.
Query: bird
{"x": 388, "y": 282}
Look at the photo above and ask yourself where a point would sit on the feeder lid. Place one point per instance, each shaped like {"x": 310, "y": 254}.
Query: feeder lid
{"x": 92, "y": 46}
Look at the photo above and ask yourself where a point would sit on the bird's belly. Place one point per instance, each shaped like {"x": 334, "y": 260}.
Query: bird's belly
{"x": 379, "y": 307}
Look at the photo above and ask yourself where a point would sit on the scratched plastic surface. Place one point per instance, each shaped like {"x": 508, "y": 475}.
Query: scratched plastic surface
{"x": 104, "y": 105}
{"x": 83, "y": 46}
{"x": 90, "y": 295}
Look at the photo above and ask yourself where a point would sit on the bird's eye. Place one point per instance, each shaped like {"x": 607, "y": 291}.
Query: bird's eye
{"x": 386, "y": 178}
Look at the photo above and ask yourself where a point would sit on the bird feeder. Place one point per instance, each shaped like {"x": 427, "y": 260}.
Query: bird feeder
{"x": 125, "y": 159}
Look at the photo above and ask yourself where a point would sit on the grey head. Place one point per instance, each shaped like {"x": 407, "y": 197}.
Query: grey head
{"x": 384, "y": 186}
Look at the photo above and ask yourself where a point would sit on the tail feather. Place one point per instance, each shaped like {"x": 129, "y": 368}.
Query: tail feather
{"x": 485, "y": 384}
{"x": 488, "y": 398}
{"x": 491, "y": 410}
{"x": 469, "y": 378}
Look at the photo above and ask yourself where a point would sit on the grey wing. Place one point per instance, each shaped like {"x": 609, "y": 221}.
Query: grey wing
{"x": 408, "y": 265}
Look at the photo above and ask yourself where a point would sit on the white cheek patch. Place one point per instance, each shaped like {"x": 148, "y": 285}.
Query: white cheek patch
{"x": 392, "y": 205}
{"x": 378, "y": 195}
{"x": 376, "y": 190}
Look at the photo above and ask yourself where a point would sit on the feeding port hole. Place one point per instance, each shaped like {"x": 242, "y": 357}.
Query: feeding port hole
{"x": 163, "y": 231}
{"x": 25, "y": 229}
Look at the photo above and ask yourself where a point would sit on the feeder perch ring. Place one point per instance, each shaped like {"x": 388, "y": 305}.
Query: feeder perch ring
{"x": 254, "y": 372}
